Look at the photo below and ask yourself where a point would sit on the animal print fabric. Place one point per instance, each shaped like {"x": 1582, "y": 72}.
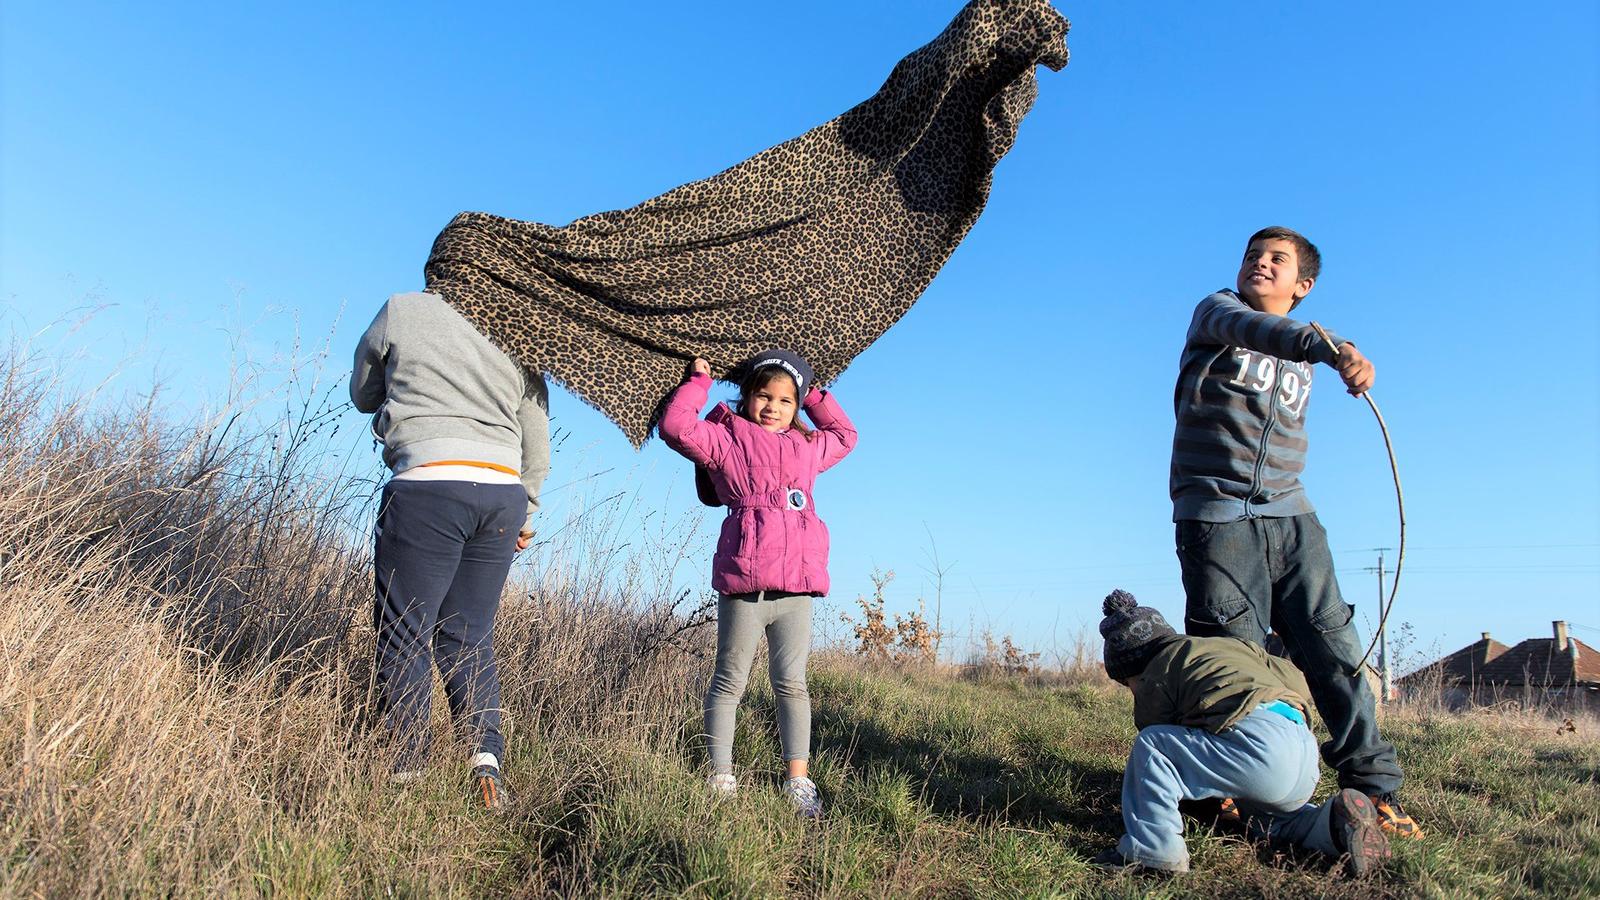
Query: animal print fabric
{"x": 818, "y": 244}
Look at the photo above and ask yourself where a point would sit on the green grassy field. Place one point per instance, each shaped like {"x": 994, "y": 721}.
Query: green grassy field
{"x": 941, "y": 787}
{"x": 936, "y": 786}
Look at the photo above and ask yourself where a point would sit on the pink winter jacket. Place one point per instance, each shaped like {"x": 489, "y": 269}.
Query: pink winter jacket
{"x": 767, "y": 544}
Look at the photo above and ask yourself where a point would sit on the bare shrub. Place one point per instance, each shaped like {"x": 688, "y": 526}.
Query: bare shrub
{"x": 999, "y": 659}
{"x": 874, "y": 638}
{"x": 915, "y": 639}
{"x": 909, "y": 640}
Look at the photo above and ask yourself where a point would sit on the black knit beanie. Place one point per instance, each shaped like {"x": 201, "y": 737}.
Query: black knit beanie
{"x": 1132, "y": 633}
{"x": 787, "y": 360}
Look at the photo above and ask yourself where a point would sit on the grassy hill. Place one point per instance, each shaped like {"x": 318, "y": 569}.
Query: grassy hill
{"x": 184, "y": 691}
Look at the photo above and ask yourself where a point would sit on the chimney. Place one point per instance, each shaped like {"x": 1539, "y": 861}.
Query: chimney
{"x": 1561, "y": 636}
{"x": 1486, "y": 635}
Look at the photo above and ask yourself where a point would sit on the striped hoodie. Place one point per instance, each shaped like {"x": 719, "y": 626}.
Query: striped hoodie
{"x": 1243, "y": 385}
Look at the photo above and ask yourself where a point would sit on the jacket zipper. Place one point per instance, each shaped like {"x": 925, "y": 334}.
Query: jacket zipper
{"x": 1266, "y": 435}
{"x": 782, "y": 448}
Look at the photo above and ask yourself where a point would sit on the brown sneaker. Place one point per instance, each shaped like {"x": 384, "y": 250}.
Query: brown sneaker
{"x": 1228, "y": 812}
{"x": 1213, "y": 812}
{"x": 1353, "y": 825}
{"x": 1392, "y": 817}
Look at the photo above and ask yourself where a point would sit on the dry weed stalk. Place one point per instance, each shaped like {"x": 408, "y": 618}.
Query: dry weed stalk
{"x": 1002, "y": 658}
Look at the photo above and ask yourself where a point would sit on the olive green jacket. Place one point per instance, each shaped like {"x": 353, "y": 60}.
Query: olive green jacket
{"x": 1212, "y": 683}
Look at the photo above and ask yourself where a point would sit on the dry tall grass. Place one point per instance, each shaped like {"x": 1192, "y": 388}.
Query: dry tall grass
{"x": 184, "y": 617}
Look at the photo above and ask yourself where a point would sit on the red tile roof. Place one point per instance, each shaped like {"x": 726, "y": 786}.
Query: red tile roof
{"x": 1538, "y": 662}
{"x": 1464, "y": 665}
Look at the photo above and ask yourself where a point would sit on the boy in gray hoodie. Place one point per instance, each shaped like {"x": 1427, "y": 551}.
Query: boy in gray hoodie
{"x": 465, "y": 430}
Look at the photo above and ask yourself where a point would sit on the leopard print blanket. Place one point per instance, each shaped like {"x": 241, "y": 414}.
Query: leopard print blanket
{"x": 819, "y": 244}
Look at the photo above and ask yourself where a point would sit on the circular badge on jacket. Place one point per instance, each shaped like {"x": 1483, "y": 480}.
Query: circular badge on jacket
{"x": 797, "y": 499}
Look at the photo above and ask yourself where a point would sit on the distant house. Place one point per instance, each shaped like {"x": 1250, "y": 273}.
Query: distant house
{"x": 1454, "y": 676}
{"x": 1556, "y": 671}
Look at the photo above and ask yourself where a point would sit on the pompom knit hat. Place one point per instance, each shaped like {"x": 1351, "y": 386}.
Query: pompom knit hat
{"x": 1132, "y": 633}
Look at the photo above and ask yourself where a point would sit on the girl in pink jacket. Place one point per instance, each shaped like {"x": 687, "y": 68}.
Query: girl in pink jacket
{"x": 772, "y": 555}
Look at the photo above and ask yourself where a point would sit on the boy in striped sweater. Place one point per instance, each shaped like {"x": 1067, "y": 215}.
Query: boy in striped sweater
{"x": 1254, "y": 556}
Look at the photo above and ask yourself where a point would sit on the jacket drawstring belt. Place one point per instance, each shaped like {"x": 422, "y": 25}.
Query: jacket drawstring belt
{"x": 782, "y": 498}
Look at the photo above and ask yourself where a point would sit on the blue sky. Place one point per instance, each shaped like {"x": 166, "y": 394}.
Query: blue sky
{"x": 220, "y": 178}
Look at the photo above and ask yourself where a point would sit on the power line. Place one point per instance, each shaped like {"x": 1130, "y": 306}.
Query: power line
{"x": 1516, "y": 567}
{"x": 1554, "y": 569}
{"x": 1484, "y": 547}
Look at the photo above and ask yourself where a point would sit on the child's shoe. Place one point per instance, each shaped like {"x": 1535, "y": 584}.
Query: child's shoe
{"x": 722, "y": 784}
{"x": 1214, "y": 812}
{"x": 1112, "y": 860}
{"x": 1228, "y": 813}
{"x": 1353, "y": 824}
{"x": 803, "y": 795}
{"x": 1392, "y": 817}
{"x": 489, "y": 788}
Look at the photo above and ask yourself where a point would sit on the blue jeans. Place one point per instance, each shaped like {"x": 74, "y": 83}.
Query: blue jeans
{"x": 443, "y": 550}
{"x": 1267, "y": 763}
{"x": 1247, "y": 577}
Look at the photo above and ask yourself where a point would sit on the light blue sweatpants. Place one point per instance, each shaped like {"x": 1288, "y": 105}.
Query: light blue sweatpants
{"x": 1267, "y": 763}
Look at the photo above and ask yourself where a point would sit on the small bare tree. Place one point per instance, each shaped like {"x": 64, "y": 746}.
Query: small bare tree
{"x": 909, "y": 639}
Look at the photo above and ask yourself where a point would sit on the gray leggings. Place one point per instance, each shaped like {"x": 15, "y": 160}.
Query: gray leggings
{"x": 741, "y": 619}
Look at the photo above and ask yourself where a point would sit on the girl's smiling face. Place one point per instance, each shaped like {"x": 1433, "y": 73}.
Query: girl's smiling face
{"x": 772, "y": 403}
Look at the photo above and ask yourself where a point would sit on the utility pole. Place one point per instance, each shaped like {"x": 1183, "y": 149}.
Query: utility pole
{"x": 1383, "y": 637}
{"x": 1385, "y": 675}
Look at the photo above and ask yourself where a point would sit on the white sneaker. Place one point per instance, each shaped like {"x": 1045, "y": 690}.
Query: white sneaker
{"x": 722, "y": 784}
{"x": 803, "y": 795}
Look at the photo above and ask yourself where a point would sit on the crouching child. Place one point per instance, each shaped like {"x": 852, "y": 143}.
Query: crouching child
{"x": 1219, "y": 717}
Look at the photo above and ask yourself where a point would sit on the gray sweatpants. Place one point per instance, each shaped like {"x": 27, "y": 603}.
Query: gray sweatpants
{"x": 741, "y": 620}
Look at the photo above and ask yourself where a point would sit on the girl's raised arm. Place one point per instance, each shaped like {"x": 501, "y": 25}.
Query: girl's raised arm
{"x": 683, "y": 429}
{"x": 834, "y": 431}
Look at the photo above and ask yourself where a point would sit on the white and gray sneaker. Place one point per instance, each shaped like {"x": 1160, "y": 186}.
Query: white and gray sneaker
{"x": 803, "y": 795}
{"x": 722, "y": 784}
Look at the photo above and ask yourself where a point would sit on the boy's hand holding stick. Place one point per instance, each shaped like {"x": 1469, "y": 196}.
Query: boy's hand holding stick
{"x": 1353, "y": 366}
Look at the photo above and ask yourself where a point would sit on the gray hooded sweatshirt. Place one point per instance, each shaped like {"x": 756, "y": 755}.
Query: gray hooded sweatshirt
{"x": 440, "y": 391}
